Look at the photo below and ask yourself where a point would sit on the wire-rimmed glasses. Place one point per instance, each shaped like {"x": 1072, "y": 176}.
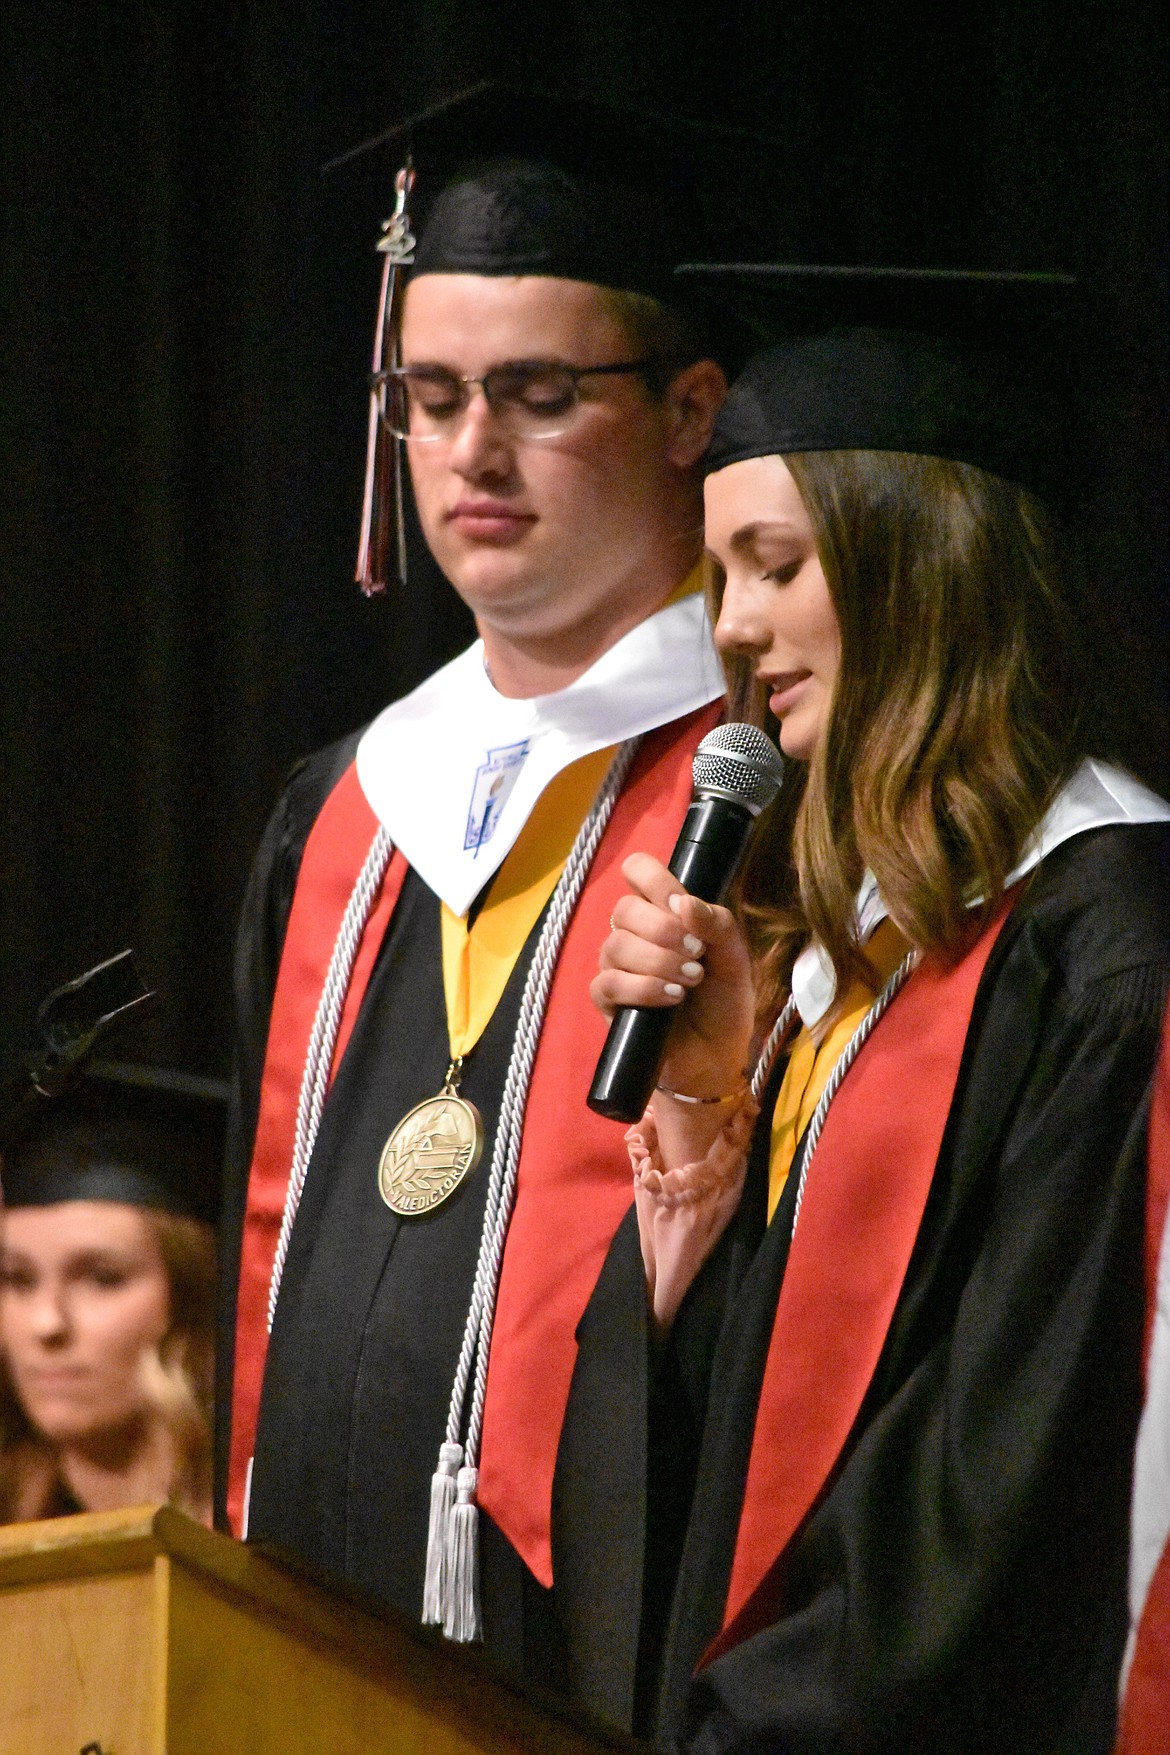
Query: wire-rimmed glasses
{"x": 532, "y": 399}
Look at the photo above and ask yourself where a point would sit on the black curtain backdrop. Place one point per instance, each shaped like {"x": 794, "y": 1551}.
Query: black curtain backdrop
{"x": 187, "y": 305}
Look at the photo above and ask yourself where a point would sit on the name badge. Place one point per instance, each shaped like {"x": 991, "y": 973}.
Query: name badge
{"x": 494, "y": 779}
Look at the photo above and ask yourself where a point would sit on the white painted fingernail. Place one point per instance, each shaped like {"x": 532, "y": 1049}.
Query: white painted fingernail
{"x": 694, "y": 945}
{"x": 672, "y": 989}
{"x": 674, "y": 903}
{"x": 692, "y": 970}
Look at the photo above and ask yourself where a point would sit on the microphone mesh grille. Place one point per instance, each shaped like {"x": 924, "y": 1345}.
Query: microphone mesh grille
{"x": 739, "y": 761}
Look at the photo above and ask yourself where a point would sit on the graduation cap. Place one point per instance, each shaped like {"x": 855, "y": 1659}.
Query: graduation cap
{"x": 508, "y": 180}
{"x": 86, "y": 1129}
{"x": 970, "y": 366}
{"x": 138, "y": 1134}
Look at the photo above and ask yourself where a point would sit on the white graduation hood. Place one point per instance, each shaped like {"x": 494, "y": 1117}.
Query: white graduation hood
{"x": 418, "y": 764}
{"x": 1096, "y": 797}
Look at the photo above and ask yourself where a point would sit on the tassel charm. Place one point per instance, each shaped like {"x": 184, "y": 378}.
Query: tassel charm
{"x": 442, "y": 1506}
{"x": 462, "y": 1619}
{"x": 382, "y": 499}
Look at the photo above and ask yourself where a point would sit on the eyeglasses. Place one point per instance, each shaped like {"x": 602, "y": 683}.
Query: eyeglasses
{"x": 532, "y": 399}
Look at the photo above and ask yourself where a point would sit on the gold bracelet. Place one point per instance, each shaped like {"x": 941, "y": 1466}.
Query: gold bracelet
{"x": 681, "y": 1096}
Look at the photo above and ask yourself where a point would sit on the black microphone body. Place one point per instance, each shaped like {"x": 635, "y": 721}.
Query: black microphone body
{"x": 706, "y": 854}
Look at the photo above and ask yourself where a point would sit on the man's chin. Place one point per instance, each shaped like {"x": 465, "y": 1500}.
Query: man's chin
{"x": 496, "y": 582}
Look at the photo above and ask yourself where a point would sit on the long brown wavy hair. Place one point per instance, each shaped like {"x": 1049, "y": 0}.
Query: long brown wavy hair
{"x": 973, "y": 680}
{"x": 178, "y": 1380}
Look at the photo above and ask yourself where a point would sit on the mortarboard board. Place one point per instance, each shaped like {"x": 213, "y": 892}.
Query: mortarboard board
{"x": 511, "y": 179}
{"x": 507, "y": 180}
{"x": 974, "y": 367}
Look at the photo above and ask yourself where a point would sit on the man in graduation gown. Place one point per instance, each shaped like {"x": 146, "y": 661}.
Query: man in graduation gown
{"x": 553, "y": 413}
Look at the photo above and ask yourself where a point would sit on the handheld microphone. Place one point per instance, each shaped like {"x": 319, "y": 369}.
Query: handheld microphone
{"x": 737, "y": 774}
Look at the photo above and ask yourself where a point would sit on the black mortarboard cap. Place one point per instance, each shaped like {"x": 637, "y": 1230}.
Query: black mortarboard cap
{"x": 137, "y": 1134}
{"x": 79, "y": 1128}
{"x": 517, "y": 180}
{"x": 973, "y": 367}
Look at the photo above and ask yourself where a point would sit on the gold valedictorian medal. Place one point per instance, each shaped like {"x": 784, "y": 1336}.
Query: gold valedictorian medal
{"x": 439, "y": 1143}
{"x": 430, "y": 1151}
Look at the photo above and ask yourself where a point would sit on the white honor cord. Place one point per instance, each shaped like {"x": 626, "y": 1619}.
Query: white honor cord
{"x": 509, "y": 1128}
{"x": 450, "y": 1595}
{"x": 849, "y": 1054}
{"x": 770, "y": 1050}
{"x": 323, "y": 1041}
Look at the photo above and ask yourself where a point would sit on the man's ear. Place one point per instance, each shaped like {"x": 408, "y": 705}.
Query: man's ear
{"x": 692, "y": 402}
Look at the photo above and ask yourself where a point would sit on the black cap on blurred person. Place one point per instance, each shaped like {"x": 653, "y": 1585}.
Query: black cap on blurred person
{"x": 80, "y": 1128}
{"x": 142, "y": 1135}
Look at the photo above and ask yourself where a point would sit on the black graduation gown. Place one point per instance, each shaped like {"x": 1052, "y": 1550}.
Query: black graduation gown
{"x": 960, "y": 1585}
{"x": 372, "y": 1308}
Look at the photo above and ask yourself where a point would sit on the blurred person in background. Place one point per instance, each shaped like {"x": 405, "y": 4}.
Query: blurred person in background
{"x": 107, "y": 1288}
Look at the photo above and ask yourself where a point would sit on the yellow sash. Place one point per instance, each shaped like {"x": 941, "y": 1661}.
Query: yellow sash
{"x": 478, "y": 962}
{"x": 811, "y": 1063}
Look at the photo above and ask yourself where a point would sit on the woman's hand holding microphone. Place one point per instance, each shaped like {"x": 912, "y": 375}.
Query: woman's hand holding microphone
{"x": 689, "y": 1153}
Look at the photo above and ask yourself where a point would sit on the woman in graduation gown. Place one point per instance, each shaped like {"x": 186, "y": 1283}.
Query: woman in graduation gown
{"x": 107, "y": 1296}
{"x": 848, "y": 1449}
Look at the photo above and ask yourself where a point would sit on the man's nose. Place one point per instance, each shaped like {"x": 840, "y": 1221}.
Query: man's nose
{"x": 482, "y": 445}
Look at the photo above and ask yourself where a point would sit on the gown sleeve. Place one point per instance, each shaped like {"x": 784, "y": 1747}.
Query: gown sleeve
{"x": 960, "y": 1585}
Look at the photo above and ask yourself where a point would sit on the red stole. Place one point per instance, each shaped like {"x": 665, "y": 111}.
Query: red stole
{"x": 863, "y": 1205}
{"x": 574, "y": 1180}
{"x": 1145, "y": 1710}
{"x": 334, "y": 855}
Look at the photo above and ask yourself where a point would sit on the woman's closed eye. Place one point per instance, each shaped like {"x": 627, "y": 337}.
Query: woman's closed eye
{"x": 17, "y": 1276}
{"x": 786, "y": 573}
{"x": 104, "y": 1271}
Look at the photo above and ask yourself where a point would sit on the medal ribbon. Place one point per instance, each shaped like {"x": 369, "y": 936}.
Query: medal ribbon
{"x": 478, "y": 960}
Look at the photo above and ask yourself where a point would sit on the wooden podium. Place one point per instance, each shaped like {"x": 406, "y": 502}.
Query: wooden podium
{"x": 141, "y": 1633}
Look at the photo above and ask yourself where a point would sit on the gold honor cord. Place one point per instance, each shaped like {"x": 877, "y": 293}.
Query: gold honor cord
{"x": 441, "y": 1140}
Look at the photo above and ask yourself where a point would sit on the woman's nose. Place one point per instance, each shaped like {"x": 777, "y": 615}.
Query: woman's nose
{"x": 742, "y": 624}
{"x": 49, "y": 1314}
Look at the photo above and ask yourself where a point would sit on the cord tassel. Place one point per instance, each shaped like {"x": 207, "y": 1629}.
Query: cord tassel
{"x": 442, "y": 1507}
{"x": 458, "y": 1568}
{"x": 462, "y": 1620}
